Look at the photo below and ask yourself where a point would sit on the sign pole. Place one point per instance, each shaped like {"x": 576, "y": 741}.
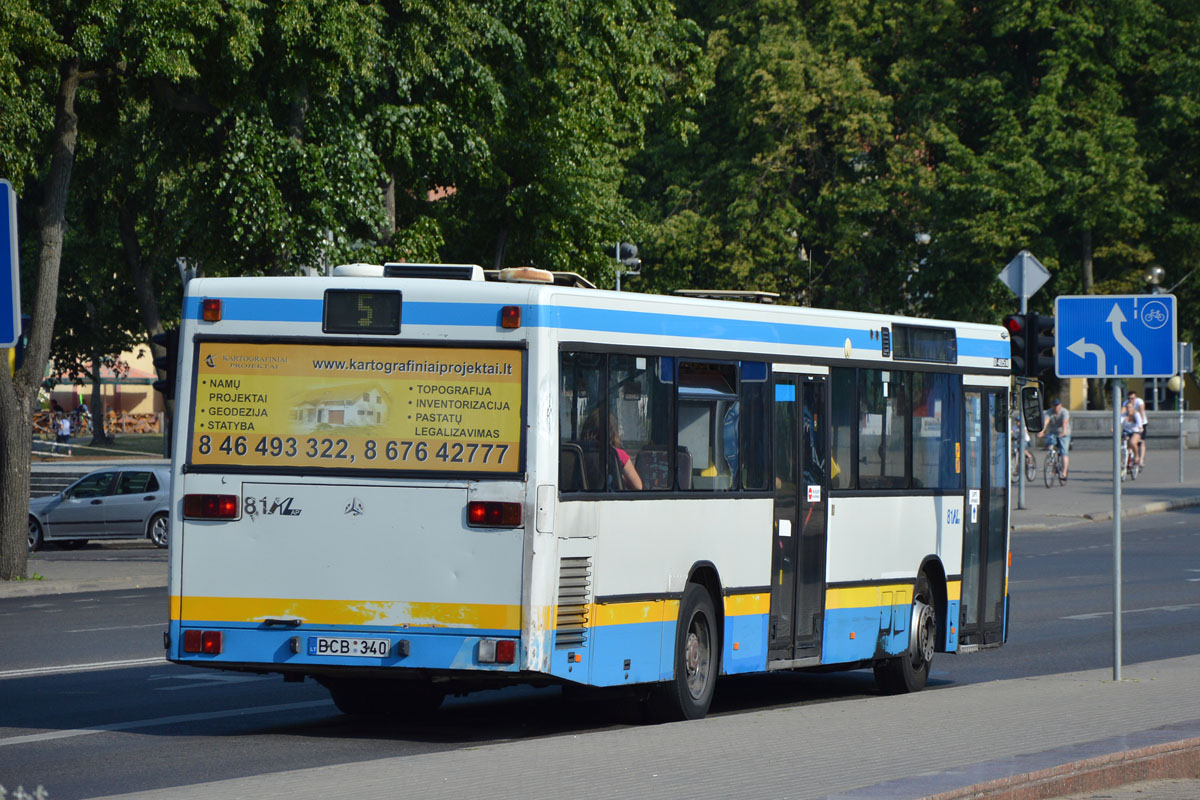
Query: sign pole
{"x": 1021, "y": 444}
{"x": 1179, "y": 401}
{"x": 1117, "y": 530}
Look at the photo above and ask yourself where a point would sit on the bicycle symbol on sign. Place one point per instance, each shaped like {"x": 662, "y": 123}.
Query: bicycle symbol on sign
{"x": 1154, "y": 315}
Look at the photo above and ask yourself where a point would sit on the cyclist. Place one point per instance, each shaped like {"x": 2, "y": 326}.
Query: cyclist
{"x": 1131, "y": 429}
{"x": 1057, "y": 431}
{"x": 1136, "y": 406}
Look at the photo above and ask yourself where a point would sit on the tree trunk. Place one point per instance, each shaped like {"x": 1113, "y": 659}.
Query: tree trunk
{"x": 501, "y": 244}
{"x": 389, "y": 205}
{"x": 141, "y": 275}
{"x": 17, "y": 396}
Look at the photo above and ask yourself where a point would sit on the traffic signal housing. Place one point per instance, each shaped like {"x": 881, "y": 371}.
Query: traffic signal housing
{"x": 1039, "y": 339}
{"x": 168, "y": 362}
{"x": 1018, "y": 331}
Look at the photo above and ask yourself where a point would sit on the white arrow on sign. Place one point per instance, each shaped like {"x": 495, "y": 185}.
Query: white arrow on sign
{"x": 1116, "y": 317}
{"x": 1081, "y": 348}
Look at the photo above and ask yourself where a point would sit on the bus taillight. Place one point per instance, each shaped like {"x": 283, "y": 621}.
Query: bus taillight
{"x": 497, "y": 651}
{"x": 490, "y": 514}
{"x": 206, "y": 642}
{"x": 210, "y": 506}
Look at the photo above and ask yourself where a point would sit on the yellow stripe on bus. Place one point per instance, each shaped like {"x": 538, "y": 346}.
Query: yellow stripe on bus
{"x": 953, "y": 590}
{"x": 668, "y": 610}
{"x": 348, "y": 612}
{"x": 867, "y": 596}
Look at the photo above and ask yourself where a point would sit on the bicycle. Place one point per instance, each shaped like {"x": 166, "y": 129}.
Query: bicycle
{"x": 1030, "y": 463}
{"x": 1129, "y": 462}
{"x": 1054, "y": 466}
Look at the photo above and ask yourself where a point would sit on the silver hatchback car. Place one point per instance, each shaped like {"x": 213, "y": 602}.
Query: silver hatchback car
{"x": 111, "y": 503}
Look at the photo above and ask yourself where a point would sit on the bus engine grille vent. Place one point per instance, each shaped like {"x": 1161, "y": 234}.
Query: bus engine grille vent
{"x": 574, "y": 588}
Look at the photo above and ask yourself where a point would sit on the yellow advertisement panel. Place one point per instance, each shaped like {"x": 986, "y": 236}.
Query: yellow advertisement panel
{"x": 291, "y": 405}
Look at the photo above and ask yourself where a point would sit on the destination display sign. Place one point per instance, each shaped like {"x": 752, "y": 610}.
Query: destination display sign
{"x": 287, "y": 405}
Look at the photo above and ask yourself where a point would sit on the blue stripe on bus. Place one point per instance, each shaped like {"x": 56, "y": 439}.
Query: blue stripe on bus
{"x": 262, "y": 309}
{"x": 785, "y": 393}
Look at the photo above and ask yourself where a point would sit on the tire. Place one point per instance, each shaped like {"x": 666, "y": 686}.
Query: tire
{"x": 158, "y": 530}
{"x": 910, "y": 672}
{"x": 1030, "y": 467}
{"x": 383, "y": 698}
{"x": 1048, "y": 470}
{"x": 689, "y": 693}
{"x": 36, "y": 537}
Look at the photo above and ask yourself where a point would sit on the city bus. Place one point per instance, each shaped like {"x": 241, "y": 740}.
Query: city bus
{"x": 412, "y": 480}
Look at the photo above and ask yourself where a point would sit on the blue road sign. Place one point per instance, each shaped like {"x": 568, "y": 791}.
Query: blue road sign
{"x": 1115, "y": 336}
{"x": 10, "y": 279}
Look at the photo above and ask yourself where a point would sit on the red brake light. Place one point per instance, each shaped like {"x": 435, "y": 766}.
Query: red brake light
{"x": 510, "y": 317}
{"x": 210, "y": 506}
{"x": 211, "y": 310}
{"x": 488, "y": 514}
{"x": 206, "y": 642}
{"x": 506, "y": 651}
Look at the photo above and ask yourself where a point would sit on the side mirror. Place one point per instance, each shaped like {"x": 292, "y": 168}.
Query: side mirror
{"x": 1031, "y": 407}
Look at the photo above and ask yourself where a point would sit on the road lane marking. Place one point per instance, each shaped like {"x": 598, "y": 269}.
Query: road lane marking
{"x": 151, "y": 723}
{"x": 1098, "y": 614}
{"x": 33, "y": 672}
{"x": 120, "y": 627}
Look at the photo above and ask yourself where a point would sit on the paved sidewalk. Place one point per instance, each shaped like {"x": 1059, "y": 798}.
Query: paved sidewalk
{"x": 1088, "y": 493}
{"x": 991, "y": 734}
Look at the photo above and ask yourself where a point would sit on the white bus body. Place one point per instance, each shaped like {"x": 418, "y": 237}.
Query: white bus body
{"x": 389, "y": 484}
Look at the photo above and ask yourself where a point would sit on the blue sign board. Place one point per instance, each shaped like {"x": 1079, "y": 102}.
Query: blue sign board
{"x": 10, "y": 280}
{"x": 1115, "y": 336}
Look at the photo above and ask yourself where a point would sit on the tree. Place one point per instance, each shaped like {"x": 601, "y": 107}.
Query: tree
{"x": 52, "y": 52}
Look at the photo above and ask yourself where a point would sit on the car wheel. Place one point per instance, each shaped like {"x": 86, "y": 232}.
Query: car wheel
{"x": 35, "y": 534}
{"x": 158, "y": 530}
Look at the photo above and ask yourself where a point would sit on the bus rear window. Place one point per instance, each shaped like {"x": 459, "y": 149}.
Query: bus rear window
{"x": 291, "y": 406}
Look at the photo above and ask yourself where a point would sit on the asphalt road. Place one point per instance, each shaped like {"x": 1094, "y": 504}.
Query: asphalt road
{"x": 82, "y": 730}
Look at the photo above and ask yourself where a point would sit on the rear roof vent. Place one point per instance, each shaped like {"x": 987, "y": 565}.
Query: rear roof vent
{"x": 454, "y": 272}
{"x": 358, "y": 271}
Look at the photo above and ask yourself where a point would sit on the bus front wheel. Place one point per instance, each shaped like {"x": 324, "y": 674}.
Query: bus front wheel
{"x": 910, "y": 671}
{"x": 697, "y": 651}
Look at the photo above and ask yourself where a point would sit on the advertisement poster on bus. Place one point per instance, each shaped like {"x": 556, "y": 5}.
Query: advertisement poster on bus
{"x": 357, "y": 407}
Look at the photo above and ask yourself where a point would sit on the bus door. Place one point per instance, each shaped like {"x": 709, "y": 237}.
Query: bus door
{"x": 985, "y": 546}
{"x": 801, "y": 430}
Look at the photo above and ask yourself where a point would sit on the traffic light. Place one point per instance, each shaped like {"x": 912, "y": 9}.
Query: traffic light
{"x": 168, "y": 363}
{"x": 1018, "y": 328}
{"x": 1039, "y": 339}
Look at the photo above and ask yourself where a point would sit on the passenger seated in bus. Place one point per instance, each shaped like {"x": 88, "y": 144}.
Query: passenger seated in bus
{"x": 626, "y": 476}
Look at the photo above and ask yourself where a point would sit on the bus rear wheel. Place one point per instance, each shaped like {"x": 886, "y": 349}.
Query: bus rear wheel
{"x": 910, "y": 671}
{"x": 366, "y": 697}
{"x": 697, "y": 652}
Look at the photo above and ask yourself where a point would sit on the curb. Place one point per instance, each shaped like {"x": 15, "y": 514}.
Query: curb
{"x": 1149, "y": 508}
{"x": 1102, "y": 516}
{"x": 1167, "y": 761}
